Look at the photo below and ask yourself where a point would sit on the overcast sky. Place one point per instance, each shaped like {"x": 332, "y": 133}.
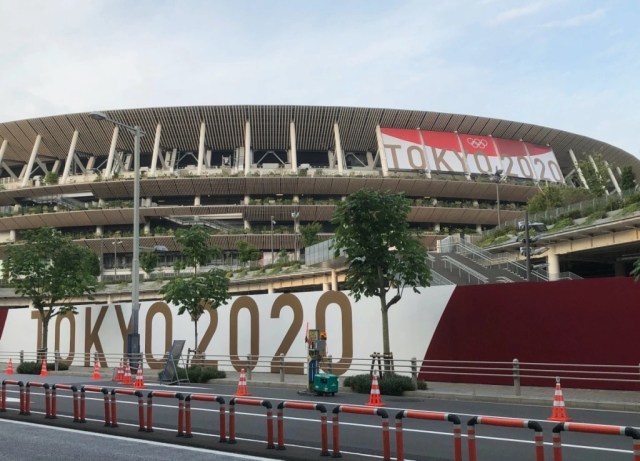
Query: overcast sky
{"x": 567, "y": 64}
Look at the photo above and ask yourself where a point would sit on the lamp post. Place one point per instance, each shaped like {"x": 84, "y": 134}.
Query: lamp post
{"x": 133, "y": 339}
{"x": 272, "y": 223}
{"x": 498, "y": 178}
{"x": 115, "y": 256}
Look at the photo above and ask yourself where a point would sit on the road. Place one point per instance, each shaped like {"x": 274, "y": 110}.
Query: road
{"x": 360, "y": 436}
{"x": 43, "y": 443}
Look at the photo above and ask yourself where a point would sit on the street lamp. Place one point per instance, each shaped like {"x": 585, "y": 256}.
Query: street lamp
{"x": 133, "y": 339}
{"x": 498, "y": 178}
{"x": 296, "y": 215}
{"x": 272, "y": 224}
{"x": 115, "y": 256}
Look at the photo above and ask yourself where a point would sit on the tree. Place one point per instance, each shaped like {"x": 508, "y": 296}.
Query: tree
{"x": 381, "y": 252}
{"x": 197, "y": 293}
{"x": 194, "y": 294}
{"x": 51, "y": 271}
{"x": 309, "y": 233}
{"x": 594, "y": 174}
{"x": 627, "y": 179}
{"x": 149, "y": 262}
{"x": 247, "y": 252}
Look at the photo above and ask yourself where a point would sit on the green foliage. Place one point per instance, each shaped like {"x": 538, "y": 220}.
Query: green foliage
{"x": 309, "y": 234}
{"x": 562, "y": 223}
{"x": 627, "y": 179}
{"x": 51, "y": 178}
{"x": 551, "y": 197}
{"x": 247, "y": 252}
{"x": 422, "y": 385}
{"x": 382, "y": 253}
{"x": 194, "y": 294}
{"x": 195, "y": 247}
{"x": 594, "y": 216}
{"x": 50, "y": 270}
{"x": 390, "y": 384}
{"x": 149, "y": 262}
{"x": 34, "y": 368}
{"x": 198, "y": 374}
{"x": 594, "y": 175}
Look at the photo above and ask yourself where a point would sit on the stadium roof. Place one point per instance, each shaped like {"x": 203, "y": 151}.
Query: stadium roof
{"x": 225, "y": 126}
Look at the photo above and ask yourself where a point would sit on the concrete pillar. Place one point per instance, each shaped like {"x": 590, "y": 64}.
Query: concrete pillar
{"x": 553, "y": 266}
{"x": 196, "y": 200}
{"x": 270, "y": 289}
{"x": 479, "y": 228}
{"x": 99, "y": 231}
{"x": 69, "y": 162}
{"x": 247, "y": 199}
{"x": 12, "y": 235}
{"x": 614, "y": 181}
{"x": 325, "y": 286}
{"x": 436, "y": 227}
{"x": 294, "y": 150}
{"x": 3, "y": 148}
{"x": 147, "y": 228}
{"x": 247, "y": 224}
{"x": 101, "y": 202}
{"x": 156, "y": 150}
{"x": 32, "y": 159}
{"x": 577, "y": 167}
{"x": 339, "y": 152}
{"x": 370, "y": 160}
{"x": 382, "y": 153}
{"x": 112, "y": 152}
{"x": 247, "y": 148}
{"x": 334, "y": 280}
{"x": 203, "y": 132}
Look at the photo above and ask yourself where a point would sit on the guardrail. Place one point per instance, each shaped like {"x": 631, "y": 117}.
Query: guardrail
{"x": 588, "y": 428}
{"x": 515, "y": 373}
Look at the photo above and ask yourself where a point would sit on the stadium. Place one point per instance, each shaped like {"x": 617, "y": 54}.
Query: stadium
{"x": 259, "y": 173}
{"x": 238, "y": 169}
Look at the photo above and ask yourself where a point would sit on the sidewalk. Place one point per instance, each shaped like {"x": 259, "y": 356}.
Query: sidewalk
{"x": 576, "y": 398}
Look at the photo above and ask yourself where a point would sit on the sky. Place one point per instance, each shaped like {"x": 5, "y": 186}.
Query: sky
{"x": 573, "y": 65}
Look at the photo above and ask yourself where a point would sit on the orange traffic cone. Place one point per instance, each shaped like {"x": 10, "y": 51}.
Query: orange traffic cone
{"x": 559, "y": 412}
{"x": 9, "y": 369}
{"x": 242, "y": 390}
{"x": 139, "y": 382}
{"x": 43, "y": 370}
{"x": 126, "y": 380}
{"x": 96, "y": 370}
{"x": 120, "y": 373}
{"x": 374, "y": 398}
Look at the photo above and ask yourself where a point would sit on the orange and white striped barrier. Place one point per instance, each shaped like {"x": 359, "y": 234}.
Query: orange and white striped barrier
{"x": 594, "y": 429}
{"x": 504, "y": 422}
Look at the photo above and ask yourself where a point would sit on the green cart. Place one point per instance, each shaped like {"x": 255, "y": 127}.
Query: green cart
{"x": 325, "y": 384}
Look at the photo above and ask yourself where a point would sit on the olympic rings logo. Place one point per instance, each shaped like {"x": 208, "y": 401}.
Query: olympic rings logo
{"x": 477, "y": 143}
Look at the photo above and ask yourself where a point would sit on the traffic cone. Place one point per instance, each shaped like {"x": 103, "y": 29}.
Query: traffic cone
{"x": 9, "y": 369}
{"x": 43, "y": 370}
{"x": 120, "y": 373}
{"x": 126, "y": 380}
{"x": 139, "y": 382}
{"x": 242, "y": 390}
{"x": 96, "y": 370}
{"x": 374, "y": 397}
{"x": 559, "y": 412}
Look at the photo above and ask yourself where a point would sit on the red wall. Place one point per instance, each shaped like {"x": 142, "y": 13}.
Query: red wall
{"x": 3, "y": 319}
{"x": 595, "y": 321}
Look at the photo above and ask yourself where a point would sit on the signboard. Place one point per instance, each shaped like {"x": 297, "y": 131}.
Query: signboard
{"x": 170, "y": 372}
{"x": 442, "y": 152}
